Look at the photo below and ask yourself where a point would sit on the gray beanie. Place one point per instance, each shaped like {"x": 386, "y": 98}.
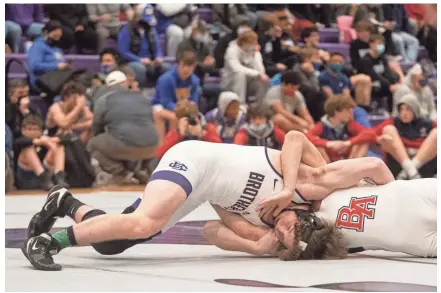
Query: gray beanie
{"x": 412, "y": 102}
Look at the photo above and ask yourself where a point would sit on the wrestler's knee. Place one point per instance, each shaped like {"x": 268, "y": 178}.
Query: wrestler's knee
{"x": 295, "y": 136}
{"x": 139, "y": 226}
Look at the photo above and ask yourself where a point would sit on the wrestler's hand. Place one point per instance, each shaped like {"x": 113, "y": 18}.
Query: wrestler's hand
{"x": 275, "y": 203}
{"x": 268, "y": 244}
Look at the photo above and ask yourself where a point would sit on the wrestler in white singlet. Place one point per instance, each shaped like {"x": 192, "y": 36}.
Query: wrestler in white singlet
{"x": 399, "y": 216}
{"x": 234, "y": 177}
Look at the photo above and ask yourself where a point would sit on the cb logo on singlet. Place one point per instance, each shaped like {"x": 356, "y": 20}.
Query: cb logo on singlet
{"x": 353, "y": 216}
{"x": 178, "y": 166}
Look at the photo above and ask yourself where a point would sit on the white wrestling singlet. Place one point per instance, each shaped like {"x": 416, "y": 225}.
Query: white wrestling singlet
{"x": 399, "y": 216}
{"x": 234, "y": 177}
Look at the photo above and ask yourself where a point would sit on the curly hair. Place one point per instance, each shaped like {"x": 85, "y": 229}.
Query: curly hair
{"x": 327, "y": 243}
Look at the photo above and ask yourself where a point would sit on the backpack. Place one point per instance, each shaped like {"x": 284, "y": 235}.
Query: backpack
{"x": 78, "y": 168}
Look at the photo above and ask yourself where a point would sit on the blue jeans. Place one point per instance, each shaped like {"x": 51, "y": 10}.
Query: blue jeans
{"x": 407, "y": 45}
{"x": 147, "y": 75}
{"x": 34, "y": 30}
{"x": 13, "y": 35}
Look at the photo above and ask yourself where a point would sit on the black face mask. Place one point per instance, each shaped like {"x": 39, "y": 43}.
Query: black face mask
{"x": 51, "y": 42}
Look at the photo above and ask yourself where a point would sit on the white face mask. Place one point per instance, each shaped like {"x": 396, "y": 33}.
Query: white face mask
{"x": 257, "y": 128}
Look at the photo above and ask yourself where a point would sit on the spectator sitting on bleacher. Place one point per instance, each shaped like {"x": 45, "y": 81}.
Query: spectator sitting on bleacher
{"x": 360, "y": 46}
{"x": 275, "y": 59}
{"x": 242, "y": 25}
{"x": 337, "y": 136}
{"x": 175, "y": 20}
{"x": 243, "y": 71}
{"x": 228, "y": 116}
{"x": 199, "y": 41}
{"x": 123, "y": 131}
{"x": 77, "y": 30}
{"x": 106, "y": 19}
{"x": 17, "y": 105}
{"x": 178, "y": 83}
{"x": 311, "y": 39}
{"x": 225, "y": 15}
{"x": 138, "y": 43}
{"x": 191, "y": 126}
{"x": 71, "y": 114}
{"x": 110, "y": 59}
{"x": 406, "y": 44}
{"x": 333, "y": 81}
{"x": 259, "y": 129}
{"x": 409, "y": 141}
{"x": 45, "y": 55}
{"x": 374, "y": 64}
{"x": 289, "y": 104}
{"x": 309, "y": 84}
{"x": 416, "y": 84}
{"x": 27, "y": 18}
{"x": 33, "y": 171}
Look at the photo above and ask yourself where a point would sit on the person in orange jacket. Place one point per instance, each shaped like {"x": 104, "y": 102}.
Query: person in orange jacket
{"x": 191, "y": 126}
{"x": 337, "y": 136}
{"x": 409, "y": 141}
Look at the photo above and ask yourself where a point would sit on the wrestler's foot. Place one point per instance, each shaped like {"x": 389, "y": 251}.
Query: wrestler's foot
{"x": 43, "y": 221}
{"x": 39, "y": 250}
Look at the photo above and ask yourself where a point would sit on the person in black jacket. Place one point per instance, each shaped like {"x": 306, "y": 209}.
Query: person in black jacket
{"x": 384, "y": 80}
{"x": 32, "y": 173}
{"x": 360, "y": 46}
{"x": 75, "y": 25}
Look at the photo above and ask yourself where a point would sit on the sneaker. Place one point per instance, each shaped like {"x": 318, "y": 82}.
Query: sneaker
{"x": 402, "y": 175}
{"x": 43, "y": 221}
{"x": 45, "y": 181}
{"x": 39, "y": 250}
{"x": 60, "y": 179}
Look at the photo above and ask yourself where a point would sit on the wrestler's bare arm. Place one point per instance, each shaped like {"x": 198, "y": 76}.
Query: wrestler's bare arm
{"x": 234, "y": 233}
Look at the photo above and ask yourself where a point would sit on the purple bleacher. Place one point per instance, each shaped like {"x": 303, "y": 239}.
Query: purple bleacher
{"x": 329, "y": 35}
{"x": 206, "y": 14}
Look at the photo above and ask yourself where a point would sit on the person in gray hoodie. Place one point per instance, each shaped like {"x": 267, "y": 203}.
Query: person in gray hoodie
{"x": 123, "y": 131}
{"x": 416, "y": 83}
{"x": 228, "y": 116}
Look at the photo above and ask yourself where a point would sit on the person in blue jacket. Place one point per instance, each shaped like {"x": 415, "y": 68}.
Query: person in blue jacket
{"x": 138, "y": 43}
{"x": 45, "y": 55}
{"x": 177, "y": 84}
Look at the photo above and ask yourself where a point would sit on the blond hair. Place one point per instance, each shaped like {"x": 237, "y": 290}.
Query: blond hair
{"x": 247, "y": 37}
{"x": 337, "y": 103}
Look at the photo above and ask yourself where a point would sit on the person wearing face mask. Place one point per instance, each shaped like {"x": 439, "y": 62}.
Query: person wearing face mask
{"x": 289, "y": 104}
{"x": 244, "y": 72}
{"x": 228, "y": 116}
{"x": 408, "y": 141}
{"x": 374, "y": 64}
{"x": 206, "y": 64}
{"x": 138, "y": 43}
{"x": 416, "y": 84}
{"x": 332, "y": 80}
{"x": 109, "y": 60}
{"x": 259, "y": 129}
{"x": 45, "y": 55}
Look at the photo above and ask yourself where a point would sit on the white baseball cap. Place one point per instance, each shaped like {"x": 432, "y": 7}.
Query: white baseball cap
{"x": 115, "y": 77}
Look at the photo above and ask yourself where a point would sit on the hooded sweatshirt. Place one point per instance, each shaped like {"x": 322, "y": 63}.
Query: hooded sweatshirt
{"x": 414, "y": 133}
{"x": 424, "y": 97}
{"x": 271, "y": 136}
{"x": 226, "y": 128}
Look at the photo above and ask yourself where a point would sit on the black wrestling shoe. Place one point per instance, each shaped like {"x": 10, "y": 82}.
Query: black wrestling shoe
{"x": 43, "y": 221}
{"x": 39, "y": 250}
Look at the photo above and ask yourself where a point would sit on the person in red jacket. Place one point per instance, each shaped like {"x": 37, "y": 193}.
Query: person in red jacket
{"x": 409, "y": 141}
{"x": 337, "y": 136}
{"x": 259, "y": 129}
{"x": 191, "y": 126}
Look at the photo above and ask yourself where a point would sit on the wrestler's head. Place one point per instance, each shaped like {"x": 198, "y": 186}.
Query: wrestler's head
{"x": 307, "y": 238}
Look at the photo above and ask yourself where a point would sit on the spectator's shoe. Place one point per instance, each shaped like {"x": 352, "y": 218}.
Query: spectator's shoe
{"x": 43, "y": 221}
{"x": 39, "y": 250}
{"x": 402, "y": 175}
{"x": 142, "y": 176}
{"x": 60, "y": 179}
{"x": 45, "y": 181}
{"x": 416, "y": 176}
